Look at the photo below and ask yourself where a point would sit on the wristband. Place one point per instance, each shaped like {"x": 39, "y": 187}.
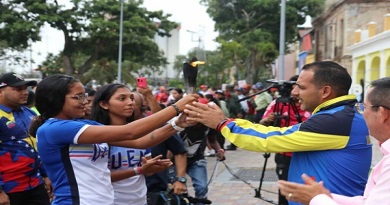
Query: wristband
{"x": 177, "y": 109}
{"x": 175, "y": 127}
{"x": 137, "y": 170}
{"x": 221, "y": 124}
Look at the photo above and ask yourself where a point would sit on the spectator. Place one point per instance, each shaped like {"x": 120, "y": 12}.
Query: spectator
{"x": 114, "y": 105}
{"x": 194, "y": 139}
{"x": 159, "y": 181}
{"x": 234, "y": 107}
{"x": 22, "y": 177}
{"x": 91, "y": 95}
{"x": 204, "y": 90}
{"x": 162, "y": 96}
{"x": 261, "y": 101}
{"x": 376, "y": 111}
{"x": 221, "y": 97}
{"x": 74, "y": 150}
{"x": 31, "y": 100}
{"x": 331, "y": 143}
{"x": 174, "y": 144}
{"x": 177, "y": 94}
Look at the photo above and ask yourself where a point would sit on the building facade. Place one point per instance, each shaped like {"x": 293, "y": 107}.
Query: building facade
{"x": 371, "y": 52}
{"x": 334, "y": 30}
{"x": 170, "y": 47}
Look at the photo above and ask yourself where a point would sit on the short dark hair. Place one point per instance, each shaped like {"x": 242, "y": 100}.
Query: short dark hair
{"x": 178, "y": 90}
{"x": 380, "y": 93}
{"x": 332, "y": 74}
{"x": 90, "y": 91}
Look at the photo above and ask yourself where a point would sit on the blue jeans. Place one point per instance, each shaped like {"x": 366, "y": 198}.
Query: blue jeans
{"x": 198, "y": 173}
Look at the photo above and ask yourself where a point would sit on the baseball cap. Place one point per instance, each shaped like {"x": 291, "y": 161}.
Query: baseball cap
{"x": 14, "y": 80}
{"x": 203, "y": 86}
{"x": 258, "y": 86}
{"x": 220, "y": 92}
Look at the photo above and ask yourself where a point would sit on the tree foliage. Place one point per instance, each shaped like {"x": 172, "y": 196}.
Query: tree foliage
{"x": 91, "y": 30}
{"x": 249, "y": 29}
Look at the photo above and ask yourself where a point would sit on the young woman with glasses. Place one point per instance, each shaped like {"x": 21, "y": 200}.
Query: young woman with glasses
{"x": 75, "y": 151}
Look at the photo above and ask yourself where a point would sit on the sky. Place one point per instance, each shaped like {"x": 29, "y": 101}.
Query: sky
{"x": 195, "y": 24}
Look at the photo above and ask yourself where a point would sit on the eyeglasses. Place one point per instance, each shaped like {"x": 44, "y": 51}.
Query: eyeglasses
{"x": 80, "y": 97}
{"x": 360, "y": 107}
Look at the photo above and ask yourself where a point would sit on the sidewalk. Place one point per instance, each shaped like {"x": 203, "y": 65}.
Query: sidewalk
{"x": 225, "y": 189}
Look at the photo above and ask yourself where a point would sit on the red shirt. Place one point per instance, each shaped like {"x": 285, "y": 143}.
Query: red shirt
{"x": 284, "y": 111}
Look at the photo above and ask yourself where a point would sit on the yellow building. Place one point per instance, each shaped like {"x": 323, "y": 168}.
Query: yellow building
{"x": 371, "y": 52}
{"x": 334, "y": 29}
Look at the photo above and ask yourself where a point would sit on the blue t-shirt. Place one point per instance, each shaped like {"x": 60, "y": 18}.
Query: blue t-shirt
{"x": 78, "y": 172}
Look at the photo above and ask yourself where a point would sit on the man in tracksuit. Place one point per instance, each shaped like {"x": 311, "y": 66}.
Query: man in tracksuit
{"x": 332, "y": 146}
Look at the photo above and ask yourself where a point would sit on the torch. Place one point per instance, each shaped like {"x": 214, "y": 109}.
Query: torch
{"x": 190, "y": 72}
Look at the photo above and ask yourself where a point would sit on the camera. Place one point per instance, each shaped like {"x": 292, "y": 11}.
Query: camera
{"x": 284, "y": 87}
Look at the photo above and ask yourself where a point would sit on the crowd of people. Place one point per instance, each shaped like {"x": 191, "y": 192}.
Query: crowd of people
{"x": 118, "y": 146}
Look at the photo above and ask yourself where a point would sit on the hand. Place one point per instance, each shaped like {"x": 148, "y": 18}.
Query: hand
{"x": 181, "y": 121}
{"x": 179, "y": 188}
{"x": 209, "y": 115}
{"x": 302, "y": 193}
{"x": 221, "y": 155}
{"x": 145, "y": 91}
{"x": 4, "y": 199}
{"x": 268, "y": 120}
{"x": 154, "y": 165}
{"x": 186, "y": 100}
{"x": 49, "y": 187}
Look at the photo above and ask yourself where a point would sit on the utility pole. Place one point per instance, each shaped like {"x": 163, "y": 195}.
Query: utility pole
{"x": 282, "y": 39}
{"x": 120, "y": 44}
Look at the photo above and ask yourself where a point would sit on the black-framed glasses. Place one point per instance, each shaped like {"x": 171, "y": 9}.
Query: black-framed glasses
{"x": 360, "y": 107}
{"x": 80, "y": 97}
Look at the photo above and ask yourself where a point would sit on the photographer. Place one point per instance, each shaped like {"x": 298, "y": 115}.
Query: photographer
{"x": 331, "y": 143}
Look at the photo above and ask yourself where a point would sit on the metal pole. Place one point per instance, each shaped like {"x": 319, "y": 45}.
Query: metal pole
{"x": 282, "y": 39}
{"x": 120, "y": 44}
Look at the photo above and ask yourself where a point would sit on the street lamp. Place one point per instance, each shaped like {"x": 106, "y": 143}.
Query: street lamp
{"x": 120, "y": 43}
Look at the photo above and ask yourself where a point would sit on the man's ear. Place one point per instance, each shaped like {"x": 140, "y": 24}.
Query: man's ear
{"x": 384, "y": 115}
{"x": 103, "y": 105}
{"x": 326, "y": 92}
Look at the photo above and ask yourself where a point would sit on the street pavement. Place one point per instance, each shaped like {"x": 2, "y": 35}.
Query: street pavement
{"x": 226, "y": 189}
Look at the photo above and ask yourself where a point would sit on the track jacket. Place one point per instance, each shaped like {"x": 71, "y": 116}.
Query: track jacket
{"x": 20, "y": 166}
{"x": 332, "y": 145}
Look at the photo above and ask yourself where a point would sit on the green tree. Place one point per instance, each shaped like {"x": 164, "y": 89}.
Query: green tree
{"x": 90, "y": 28}
{"x": 255, "y": 26}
